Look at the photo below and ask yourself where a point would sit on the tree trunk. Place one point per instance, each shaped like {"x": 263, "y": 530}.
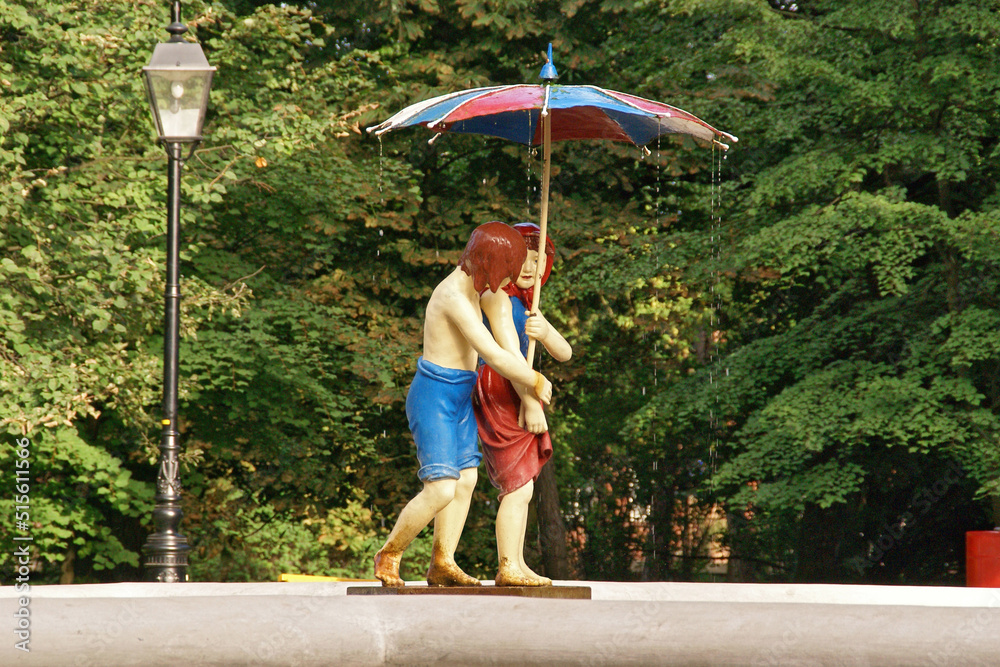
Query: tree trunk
{"x": 738, "y": 569}
{"x": 661, "y": 522}
{"x": 821, "y": 535}
{"x": 66, "y": 572}
{"x": 551, "y": 529}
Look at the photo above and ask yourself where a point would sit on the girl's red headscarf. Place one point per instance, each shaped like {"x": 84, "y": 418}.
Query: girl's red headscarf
{"x": 531, "y": 233}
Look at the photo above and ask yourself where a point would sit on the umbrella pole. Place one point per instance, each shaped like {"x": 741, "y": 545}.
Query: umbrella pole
{"x": 544, "y": 222}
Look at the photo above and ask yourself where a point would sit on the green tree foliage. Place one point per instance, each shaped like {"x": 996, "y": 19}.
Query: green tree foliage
{"x": 81, "y": 207}
{"x": 860, "y": 368}
{"x": 800, "y": 336}
{"x": 82, "y": 217}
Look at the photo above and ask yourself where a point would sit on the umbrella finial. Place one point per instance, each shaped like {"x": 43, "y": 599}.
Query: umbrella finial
{"x": 548, "y": 72}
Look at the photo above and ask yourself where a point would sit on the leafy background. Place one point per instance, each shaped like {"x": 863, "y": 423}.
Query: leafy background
{"x": 787, "y": 354}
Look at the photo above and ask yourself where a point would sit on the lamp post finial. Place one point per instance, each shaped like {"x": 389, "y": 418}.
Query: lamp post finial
{"x": 176, "y": 28}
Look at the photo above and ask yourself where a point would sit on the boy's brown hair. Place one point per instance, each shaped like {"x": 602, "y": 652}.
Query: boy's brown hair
{"x": 495, "y": 251}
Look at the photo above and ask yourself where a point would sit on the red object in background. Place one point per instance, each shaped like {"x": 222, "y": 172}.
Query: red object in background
{"x": 982, "y": 558}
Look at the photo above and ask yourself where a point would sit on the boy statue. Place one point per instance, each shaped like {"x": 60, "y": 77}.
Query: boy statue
{"x": 439, "y": 402}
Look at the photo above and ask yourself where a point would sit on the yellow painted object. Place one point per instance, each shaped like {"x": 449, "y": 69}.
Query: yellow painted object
{"x": 314, "y": 577}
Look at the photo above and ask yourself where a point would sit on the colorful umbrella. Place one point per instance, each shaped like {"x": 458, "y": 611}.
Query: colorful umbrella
{"x": 541, "y": 114}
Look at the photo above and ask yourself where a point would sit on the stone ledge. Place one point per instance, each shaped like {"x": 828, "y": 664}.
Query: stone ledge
{"x": 625, "y": 624}
{"x": 924, "y": 596}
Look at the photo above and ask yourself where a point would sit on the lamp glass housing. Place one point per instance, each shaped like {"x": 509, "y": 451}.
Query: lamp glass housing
{"x": 178, "y": 80}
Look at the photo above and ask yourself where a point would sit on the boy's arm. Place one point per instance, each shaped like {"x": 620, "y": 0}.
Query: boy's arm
{"x": 497, "y": 307}
{"x": 511, "y": 366}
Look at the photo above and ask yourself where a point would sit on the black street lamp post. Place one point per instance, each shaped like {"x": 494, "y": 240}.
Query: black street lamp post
{"x": 178, "y": 79}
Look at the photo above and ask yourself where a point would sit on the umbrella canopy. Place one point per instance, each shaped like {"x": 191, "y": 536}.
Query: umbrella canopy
{"x": 577, "y": 112}
{"x": 538, "y": 115}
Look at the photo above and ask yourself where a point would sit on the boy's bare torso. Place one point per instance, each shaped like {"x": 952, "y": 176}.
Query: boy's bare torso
{"x": 453, "y": 304}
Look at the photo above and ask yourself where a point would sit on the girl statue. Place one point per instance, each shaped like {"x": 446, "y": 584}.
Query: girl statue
{"x": 511, "y": 421}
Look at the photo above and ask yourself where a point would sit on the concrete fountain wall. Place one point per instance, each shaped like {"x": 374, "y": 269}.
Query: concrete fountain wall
{"x": 624, "y": 624}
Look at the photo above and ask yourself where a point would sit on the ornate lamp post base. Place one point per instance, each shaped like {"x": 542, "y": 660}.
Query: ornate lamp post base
{"x": 166, "y": 550}
{"x": 166, "y": 560}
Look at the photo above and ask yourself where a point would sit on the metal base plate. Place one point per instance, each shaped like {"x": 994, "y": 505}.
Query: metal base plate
{"x": 550, "y": 592}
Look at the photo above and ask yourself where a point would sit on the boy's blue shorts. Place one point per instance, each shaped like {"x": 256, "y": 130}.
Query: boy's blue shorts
{"x": 439, "y": 409}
